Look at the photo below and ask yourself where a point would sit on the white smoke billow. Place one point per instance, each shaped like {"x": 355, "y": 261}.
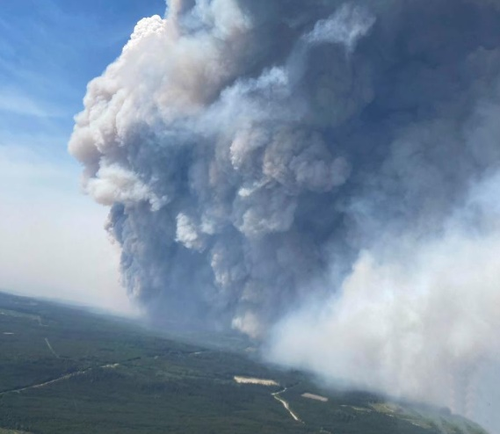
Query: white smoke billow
{"x": 321, "y": 175}
{"x": 415, "y": 317}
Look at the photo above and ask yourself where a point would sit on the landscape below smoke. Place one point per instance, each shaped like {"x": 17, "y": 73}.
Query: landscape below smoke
{"x": 323, "y": 176}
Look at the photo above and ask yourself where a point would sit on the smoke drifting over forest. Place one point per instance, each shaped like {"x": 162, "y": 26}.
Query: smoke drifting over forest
{"x": 321, "y": 174}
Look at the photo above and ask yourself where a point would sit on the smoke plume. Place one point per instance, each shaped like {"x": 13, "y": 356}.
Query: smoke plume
{"x": 323, "y": 175}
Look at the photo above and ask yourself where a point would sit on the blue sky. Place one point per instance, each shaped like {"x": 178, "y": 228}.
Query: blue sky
{"x": 52, "y": 241}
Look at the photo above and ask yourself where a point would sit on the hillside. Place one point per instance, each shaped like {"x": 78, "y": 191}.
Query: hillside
{"x": 66, "y": 370}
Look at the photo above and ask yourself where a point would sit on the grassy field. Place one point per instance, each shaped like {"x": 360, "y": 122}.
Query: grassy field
{"x": 66, "y": 370}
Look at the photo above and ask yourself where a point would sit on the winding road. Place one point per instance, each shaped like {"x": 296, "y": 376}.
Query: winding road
{"x": 276, "y": 395}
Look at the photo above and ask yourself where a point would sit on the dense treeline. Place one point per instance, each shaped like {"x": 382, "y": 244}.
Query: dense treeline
{"x": 110, "y": 376}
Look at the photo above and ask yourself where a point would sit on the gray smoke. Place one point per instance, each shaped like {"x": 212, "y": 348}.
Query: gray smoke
{"x": 262, "y": 158}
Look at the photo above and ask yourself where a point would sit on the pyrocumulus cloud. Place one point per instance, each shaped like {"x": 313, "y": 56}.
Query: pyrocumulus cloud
{"x": 322, "y": 175}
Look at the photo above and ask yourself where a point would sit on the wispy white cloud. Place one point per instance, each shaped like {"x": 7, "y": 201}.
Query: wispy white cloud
{"x": 16, "y": 102}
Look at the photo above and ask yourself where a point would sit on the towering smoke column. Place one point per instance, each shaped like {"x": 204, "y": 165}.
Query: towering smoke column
{"x": 320, "y": 174}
